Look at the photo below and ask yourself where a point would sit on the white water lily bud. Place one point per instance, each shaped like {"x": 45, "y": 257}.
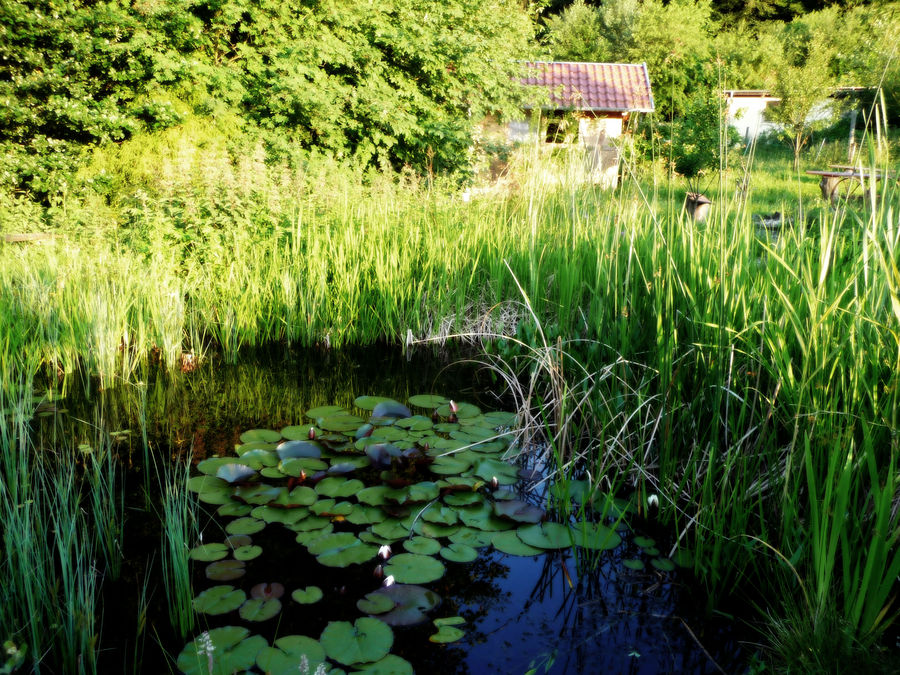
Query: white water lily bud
{"x": 384, "y": 552}
{"x": 653, "y": 502}
{"x": 388, "y": 581}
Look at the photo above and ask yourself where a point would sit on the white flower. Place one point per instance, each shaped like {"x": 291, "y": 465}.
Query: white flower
{"x": 388, "y": 581}
{"x": 384, "y": 552}
{"x": 653, "y": 501}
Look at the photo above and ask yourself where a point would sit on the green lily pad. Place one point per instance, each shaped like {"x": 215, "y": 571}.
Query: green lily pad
{"x": 203, "y": 483}
{"x": 235, "y": 541}
{"x": 459, "y": 553}
{"x": 505, "y": 473}
{"x": 260, "y": 609}
{"x": 389, "y": 434}
{"x": 248, "y": 552}
{"x": 368, "y": 403}
{"x": 364, "y": 641}
{"x": 472, "y": 537}
{"x": 366, "y": 515}
{"x": 595, "y": 537}
{"x": 389, "y": 665}
{"x": 209, "y": 552}
{"x": 463, "y": 499}
{"x": 219, "y": 600}
{"x": 519, "y": 511}
{"x": 411, "y": 568}
{"x": 308, "y": 595}
{"x": 226, "y": 570}
{"x": 415, "y": 423}
{"x": 245, "y": 525}
{"x": 482, "y": 518}
{"x": 546, "y": 535}
{"x": 340, "y": 423}
{"x": 447, "y": 634}
{"x": 440, "y": 514}
{"x": 391, "y": 529}
{"x": 463, "y": 410}
{"x": 296, "y": 433}
{"x": 422, "y": 545}
{"x": 428, "y": 401}
{"x": 331, "y": 508}
{"x": 663, "y": 564}
{"x": 257, "y": 494}
{"x": 234, "y": 509}
{"x": 324, "y": 411}
{"x": 306, "y": 538}
{"x": 449, "y": 621}
{"x": 341, "y": 550}
{"x": 284, "y": 657}
{"x": 233, "y": 648}
{"x": 339, "y": 487}
{"x": 311, "y": 524}
{"x": 644, "y": 542}
{"x": 634, "y": 564}
{"x": 651, "y": 551}
{"x": 284, "y": 516}
{"x": 298, "y": 466}
{"x": 449, "y": 466}
{"x": 499, "y": 418}
{"x": 375, "y": 603}
{"x": 301, "y": 495}
{"x": 509, "y": 542}
{"x": 262, "y": 435}
{"x": 400, "y": 604}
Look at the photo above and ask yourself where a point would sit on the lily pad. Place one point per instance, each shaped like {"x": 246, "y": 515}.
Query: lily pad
{"x": 263, "y": 435}
{"x": 389, "y": 665}
{"x": 364, "y": 641}
{"x": 234, "y": 509}
{"x": 462, "y": 410}
{"x": 339, "y": 487}
{"x": 546, "y": 535}
{"x": 509, "y": 542}
{"x": 219, "y": 600}
{"x": 519, "y": 511}
{"x": 247, "y": 552}
{"x": 459, "y": 553}
{"x": 341, "y": 550}
{"x": 595, "y": 537}
{"x": 463, "y": 499}
{"x": 505, "y": 473}
{"x": 209, "y": 552}
{"x": 308, "y": 595}
{"x": 414, "y": 423}
{"x": 324, "y": 411}
{"x": 634, "y": 564}
{"x": 299, "y": 449}
{"x": 260, "y": 609}
{"x": 235, "y": 473}
{"x": 233, "y": 648}
{"x": 449, "y": 621}
{"x": 400, "y": 604}
{"x": 297, "y": 433}
{"x": 428, "y": 401}
{"x": 644, "y": 542}
{"x": 390, "y": 408}
{"x": 245, "y": 525}
{"x": 412, "y": 568}
{"x": 663, "y": 564}
{"x": 298, "y": 466}
{"x": 472, "y": 537}
{"x": 369, "y": 402}
{"x": 226, "y": 570}
{"x": 288, "y": 652}
{"x": 422, "y": 545}
{"x": 447, "y": 634}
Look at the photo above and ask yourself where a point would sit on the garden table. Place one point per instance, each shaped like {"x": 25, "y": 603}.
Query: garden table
{"x": 831, "y": 179}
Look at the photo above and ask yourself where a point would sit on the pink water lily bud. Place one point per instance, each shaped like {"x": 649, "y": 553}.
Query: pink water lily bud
{"x": 312, "y": 433}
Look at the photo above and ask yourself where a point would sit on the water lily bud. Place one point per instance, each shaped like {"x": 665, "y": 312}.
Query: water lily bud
{"x": 384, "y": 552}
{"x": 453, "y": 406}
{"x": 388, "y": 581}
{"x": 378, "y": 573}
{"x": 312, "y": 433}
{"x": 495, "y": 483}
{"x": 435, "y": 417}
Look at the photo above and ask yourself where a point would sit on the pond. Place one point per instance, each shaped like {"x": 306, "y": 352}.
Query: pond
{"x": 291, "y": 528}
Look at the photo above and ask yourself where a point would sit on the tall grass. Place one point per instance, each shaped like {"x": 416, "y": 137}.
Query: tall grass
{"x": 750, "y": 381}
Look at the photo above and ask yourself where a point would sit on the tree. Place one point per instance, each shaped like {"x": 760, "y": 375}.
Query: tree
{"x": 803, "y": 83}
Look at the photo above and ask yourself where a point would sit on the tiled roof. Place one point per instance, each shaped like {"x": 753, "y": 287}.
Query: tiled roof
{"x": 620, "y": 87}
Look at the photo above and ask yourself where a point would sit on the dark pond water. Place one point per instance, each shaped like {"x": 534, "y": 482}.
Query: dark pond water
{"x": 560, "y": 611}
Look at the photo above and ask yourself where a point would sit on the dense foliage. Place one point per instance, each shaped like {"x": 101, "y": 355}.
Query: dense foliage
{"x": 390, "y": 83}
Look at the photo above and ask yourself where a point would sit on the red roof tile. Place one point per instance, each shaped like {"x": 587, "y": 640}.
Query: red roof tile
{"x": 621, "y": 87}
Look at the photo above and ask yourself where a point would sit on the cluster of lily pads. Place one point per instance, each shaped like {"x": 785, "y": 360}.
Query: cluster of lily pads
{"x": 407, "y": 492}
